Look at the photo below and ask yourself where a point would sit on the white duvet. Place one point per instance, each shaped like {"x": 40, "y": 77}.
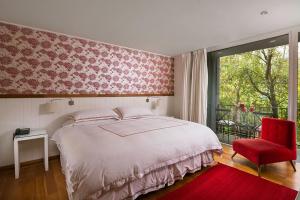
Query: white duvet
{"x": 98, "y": 157}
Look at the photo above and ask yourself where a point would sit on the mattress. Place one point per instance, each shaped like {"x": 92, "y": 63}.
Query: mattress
{"x": 102, "y": 162}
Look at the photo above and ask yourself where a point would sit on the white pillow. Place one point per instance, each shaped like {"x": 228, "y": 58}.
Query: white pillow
{"x": 133, "y": 112}
{"x": 87, "y": 115}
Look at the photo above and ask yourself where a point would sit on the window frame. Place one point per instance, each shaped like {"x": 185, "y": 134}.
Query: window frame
{"x": 213, "y": 70}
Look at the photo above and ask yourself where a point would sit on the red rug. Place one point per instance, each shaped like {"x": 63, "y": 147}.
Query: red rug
{"x": 224, "y": 182}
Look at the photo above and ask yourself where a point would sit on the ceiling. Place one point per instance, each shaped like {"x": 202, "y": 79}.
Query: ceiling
{"x": 166, "y": 27}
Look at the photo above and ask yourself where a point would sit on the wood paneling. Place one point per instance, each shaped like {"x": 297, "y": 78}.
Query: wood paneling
{"x": 35, "y": 183}
{"x": 30, "y": 112}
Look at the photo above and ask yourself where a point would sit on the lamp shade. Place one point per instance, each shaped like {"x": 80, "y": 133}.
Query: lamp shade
{"x": 52, "y": 107}
{"x": 155, "y": 103}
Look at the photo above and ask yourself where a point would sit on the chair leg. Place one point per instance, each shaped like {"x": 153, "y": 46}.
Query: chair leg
{"x": 258, "y": 170}
{"x": 233, "y": 155}
{"x": 293, "y": 165}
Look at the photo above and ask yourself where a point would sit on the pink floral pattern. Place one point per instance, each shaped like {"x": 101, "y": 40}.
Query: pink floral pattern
{"x": 40, "y": 62}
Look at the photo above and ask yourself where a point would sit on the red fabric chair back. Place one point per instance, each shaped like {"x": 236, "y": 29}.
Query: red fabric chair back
{"x": 279, "y": 131}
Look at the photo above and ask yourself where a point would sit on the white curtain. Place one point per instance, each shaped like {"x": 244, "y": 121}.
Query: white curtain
{"x": 191, "y": 79}
{"x": 182, "y": 69}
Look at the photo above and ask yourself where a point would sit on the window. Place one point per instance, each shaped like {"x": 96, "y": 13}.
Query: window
{"x": 252, "y": 83}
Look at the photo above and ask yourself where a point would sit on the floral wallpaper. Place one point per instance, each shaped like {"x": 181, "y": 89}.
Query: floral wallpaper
{"x": 39, "y": 62}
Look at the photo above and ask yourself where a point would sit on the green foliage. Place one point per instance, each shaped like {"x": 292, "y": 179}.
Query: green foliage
{"x": 236, "y": 72}
{"x": 245, "y": 78}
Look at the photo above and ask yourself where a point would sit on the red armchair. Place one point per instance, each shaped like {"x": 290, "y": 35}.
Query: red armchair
{"x": 277, "y": 144}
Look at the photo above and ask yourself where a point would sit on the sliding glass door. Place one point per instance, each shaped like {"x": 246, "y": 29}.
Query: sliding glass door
{"x": 252, "y": 84}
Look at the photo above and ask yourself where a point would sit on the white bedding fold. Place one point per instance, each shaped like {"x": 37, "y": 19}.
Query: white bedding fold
{"x": 97, "y": 161}
{"x": 125, "y": 128}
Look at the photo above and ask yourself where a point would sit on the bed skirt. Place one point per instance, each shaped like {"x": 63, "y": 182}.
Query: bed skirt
{"x": 152, "y": 181}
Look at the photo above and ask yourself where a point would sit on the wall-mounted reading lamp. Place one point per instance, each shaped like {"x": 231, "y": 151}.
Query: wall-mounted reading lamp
{"x": 155, "y": 101}
{"x": 54, "y": 106}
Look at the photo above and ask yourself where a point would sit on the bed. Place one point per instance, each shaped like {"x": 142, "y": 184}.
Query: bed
{"x": 123, "y": 159}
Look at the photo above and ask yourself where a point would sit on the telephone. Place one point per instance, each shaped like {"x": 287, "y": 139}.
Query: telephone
{"x": 22, "y": 131}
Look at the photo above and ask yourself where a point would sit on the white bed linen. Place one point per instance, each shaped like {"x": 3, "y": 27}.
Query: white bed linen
{"x": 97, "y": 162}
{"x": 125, "y": 128}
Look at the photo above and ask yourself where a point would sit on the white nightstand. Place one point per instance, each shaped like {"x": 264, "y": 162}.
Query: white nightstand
{"x": 34, "y": 134}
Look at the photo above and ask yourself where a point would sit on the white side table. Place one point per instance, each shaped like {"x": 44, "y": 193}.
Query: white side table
{"x": 34, "y": 134}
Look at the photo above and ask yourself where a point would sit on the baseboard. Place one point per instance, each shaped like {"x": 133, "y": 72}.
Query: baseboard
{"x": 31, "y": 162}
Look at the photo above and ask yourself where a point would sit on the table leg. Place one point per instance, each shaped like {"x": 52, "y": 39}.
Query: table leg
{"x": 46, "y": 153}
{"x": 16, "y": 159}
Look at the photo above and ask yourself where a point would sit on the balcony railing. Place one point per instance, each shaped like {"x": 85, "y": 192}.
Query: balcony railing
{"x": 243, "y": 122}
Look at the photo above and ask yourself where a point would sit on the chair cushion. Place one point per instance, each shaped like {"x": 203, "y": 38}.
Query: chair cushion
{"x": 262, "y": 151}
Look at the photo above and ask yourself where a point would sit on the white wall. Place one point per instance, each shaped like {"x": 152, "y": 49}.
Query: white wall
{"x": 28, "y": 112}
{"x": 178, "y": 86}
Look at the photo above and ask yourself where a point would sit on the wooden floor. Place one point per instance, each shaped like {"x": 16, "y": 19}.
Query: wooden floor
{"x": 35, "y": 183}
